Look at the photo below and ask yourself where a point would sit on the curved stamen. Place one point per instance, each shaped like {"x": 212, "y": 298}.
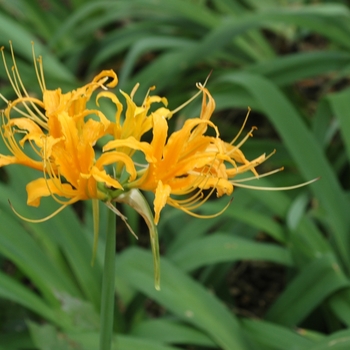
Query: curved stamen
{"x": 18, "y": 84}
{"x": 41, "y": 78}
{"x": 200, "y": 87}
{"x": 36, "y": 221}
{"x": 134, "y": 89}
{"x": 242, "y": 127}
{"x": 283, "y": 188}
{"x": 260, "y": 176}
{"x": 30, "y": 115}
{"x": 249, "y": 134}
{"x": 200, "y": 216}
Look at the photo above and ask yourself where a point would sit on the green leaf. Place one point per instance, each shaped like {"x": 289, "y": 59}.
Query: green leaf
{"x": 89, "y": 341}
{"x": 286, "y": 70}
{"x": 339, "y": 103}
{"x": 171, "y": 331}
{"x": 183, "y": 296}
{"x": 18, "y": 246}
{"x": 339, "y": 302}
{"x": 12, "y": 290}
{"x": 21, "y": 39}
{"x": 336, "y": 341}
{"x": 64, "y": 231}
{"x": 46, "y": 337}
{"x": 273, "y": 336}
{"x": 305, "y": 151}
{"x": 220, "y": 247}
{"x": 315, "y": 282}
{"x": 16, "y": 340}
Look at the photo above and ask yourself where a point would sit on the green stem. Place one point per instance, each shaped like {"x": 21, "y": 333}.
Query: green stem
{"x": 108, "y": 286}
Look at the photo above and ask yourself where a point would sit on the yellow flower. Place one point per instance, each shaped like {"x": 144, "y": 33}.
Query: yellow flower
{"x": 62, "y": 135}
{"x": 182, "y": 169}
{"x": 78, "y": 173}
{"x": 38, "y": 119}
{"x": 187, "y": 162}
{"x": 137, "y": 119}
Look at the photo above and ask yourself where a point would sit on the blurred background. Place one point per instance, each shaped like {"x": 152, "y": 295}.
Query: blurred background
{"x": 273, "y": 271}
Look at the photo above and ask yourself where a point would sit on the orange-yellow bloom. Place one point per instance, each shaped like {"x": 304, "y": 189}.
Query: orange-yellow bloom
{"x": 182, "y": 169}
{"x": 62, "y": 134}
{"x": 137, "y": 120}
{"x": 182, "y": 165}
{"x": 187, "y": 162}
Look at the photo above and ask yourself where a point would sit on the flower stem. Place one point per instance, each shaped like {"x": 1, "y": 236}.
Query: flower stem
{"x": 108, "y": 286}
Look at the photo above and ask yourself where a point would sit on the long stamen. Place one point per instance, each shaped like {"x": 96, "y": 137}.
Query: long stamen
{"x": 7, "y": 71}
{"x": 40, "y": 76}
{"x": 40, "y": 60}
{"x": 200, "y": 87}
{"x": 30, "y": 114}
{"x": 197, "y": 204}
{"x": 36, "y": 221}
{"x": 148, "y": 92}
{"x": 36, "y": 151}
{"x": 243, "y": 168}
{"x": 251, "y": 165}
{"x": 18, "y": 86}
{"x": 186, "y": 103}
{"x": 3, "y": 126}
{"x": 197, "y": 200}
{"x": 16, "y": 72}
{"x": 194, "y": 198}
{"x": 10, "y": 142}
{"x": 15, "y": 81}
{"x": 249, "y": 134}
{"x": 283, "y": 188}
{"x": 199, "y": 216}
{"x": 242, "y": 127}
{"x": 133, "y": 91}
{"x": 260, "y": 176}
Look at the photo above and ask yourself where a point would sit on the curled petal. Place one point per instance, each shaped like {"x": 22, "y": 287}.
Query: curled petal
{"x": 25, "y": 124}
{"x": 115, "y": 157}
{"x": 102, "y": 176}
{"x": 132, "y": 143}
{"x": 44, "y": 188}
{"x": 107, "y": 74}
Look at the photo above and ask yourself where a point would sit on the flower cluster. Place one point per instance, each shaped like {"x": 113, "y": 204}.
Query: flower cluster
{"x": 182, "y": 169}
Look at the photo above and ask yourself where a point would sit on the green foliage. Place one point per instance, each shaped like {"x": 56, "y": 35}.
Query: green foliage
{"x": 290, "y": 62}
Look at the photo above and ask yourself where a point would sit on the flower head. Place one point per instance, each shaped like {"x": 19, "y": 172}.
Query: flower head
{"x": 62, "y": 131}
{"x": 182, "y": 169}
{"x": 185, "y": 168}
{"x": 181, "y": 166}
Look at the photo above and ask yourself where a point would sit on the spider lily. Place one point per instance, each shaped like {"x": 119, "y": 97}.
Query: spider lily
{"x": 62, "y": 135}
{"x": 182, "y": 169}
{"x": 181, "y": 166}
{"x": 185, "y": 168}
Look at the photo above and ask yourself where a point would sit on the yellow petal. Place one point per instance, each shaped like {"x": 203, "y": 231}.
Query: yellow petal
{"x": 161, "y": 196}
{"x": 43, "y": 188}
{"x": 107, "y": 74}
{"x": 132, "y": 143}
{"x": 25, "y": 124}
{"x": 102, "y": 176}
{"x": 117, "y": 157}
{"x": 160, "y": 133}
